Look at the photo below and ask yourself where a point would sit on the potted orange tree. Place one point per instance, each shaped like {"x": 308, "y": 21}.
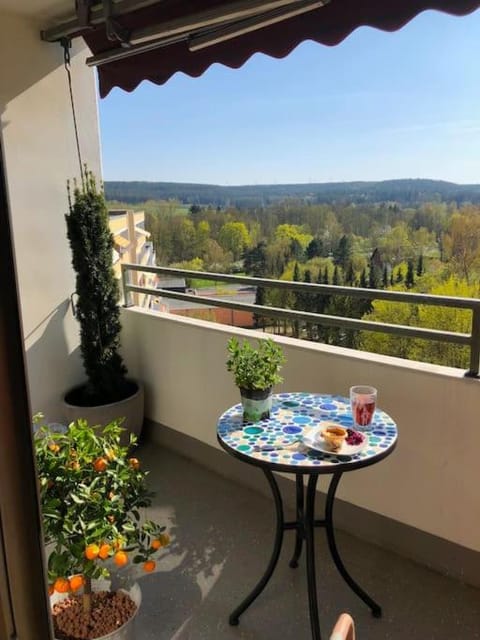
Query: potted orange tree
{"x": 93, "y": 496}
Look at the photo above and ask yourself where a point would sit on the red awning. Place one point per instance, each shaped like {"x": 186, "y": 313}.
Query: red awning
{"x": 328, "y": 25}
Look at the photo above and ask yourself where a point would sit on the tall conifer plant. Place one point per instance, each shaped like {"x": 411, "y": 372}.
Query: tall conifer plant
{"x": 97, "y": 310}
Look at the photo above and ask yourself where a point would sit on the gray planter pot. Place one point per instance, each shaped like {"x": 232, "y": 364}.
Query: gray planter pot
{"x": 256, "y": 403}
{"x": 131, "y": 409}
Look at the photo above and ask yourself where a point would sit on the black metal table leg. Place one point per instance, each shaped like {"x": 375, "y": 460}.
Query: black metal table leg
{"x": 235, "y": 615}
{"x": 309, "y": 523}
{"x": 299, "y": 535}
{"x": 375, "y": 608}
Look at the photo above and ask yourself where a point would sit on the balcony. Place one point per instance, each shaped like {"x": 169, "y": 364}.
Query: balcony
{"x": 419, "y": 507}
{"x": 406, "y": 523}
{"x": 222, "y": 537}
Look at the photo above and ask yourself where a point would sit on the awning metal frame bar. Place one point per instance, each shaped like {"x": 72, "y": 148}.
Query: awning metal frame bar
{"x": 235, "y": 29}
{"x": 205, "y": 29}
{"x": 168, "y": 32}
{"x": 230, "y": 12}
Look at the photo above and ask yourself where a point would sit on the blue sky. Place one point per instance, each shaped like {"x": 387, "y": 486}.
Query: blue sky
{"x": 377, "y": 106}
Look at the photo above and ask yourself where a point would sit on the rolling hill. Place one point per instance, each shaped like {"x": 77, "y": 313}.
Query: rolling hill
{"x": 404, "y": 192}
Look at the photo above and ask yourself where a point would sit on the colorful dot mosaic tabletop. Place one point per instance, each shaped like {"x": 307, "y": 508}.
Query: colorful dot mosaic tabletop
{"x": 292, "y": 416}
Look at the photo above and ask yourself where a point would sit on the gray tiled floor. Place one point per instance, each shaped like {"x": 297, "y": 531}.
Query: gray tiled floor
{"x": 222, "y": 537}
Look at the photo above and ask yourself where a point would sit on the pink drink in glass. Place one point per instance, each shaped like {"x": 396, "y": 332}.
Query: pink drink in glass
{"x": 363, "y": 400}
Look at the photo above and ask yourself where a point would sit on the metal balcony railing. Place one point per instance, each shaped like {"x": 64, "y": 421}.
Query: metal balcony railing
{"x": 472, "y": 339}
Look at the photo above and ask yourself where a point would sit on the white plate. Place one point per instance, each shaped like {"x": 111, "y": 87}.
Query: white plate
{"x": 314, "y": 440}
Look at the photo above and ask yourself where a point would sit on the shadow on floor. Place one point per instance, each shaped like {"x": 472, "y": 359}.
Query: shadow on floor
{"x": 222, "y": 538}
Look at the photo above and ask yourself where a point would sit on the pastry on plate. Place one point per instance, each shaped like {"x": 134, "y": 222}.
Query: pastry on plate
{"x": 334, "y": 437}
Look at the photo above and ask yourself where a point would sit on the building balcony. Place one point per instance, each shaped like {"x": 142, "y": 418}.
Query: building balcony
{"x": 408, "y": 525}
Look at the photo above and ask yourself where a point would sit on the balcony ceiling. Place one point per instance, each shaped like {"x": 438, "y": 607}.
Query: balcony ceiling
{"x": 172, "y": 35}
{"x": 41, "y": 9}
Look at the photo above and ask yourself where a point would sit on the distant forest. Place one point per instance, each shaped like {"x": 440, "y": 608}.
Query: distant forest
{"x": 410, "y": 192}
{"x": 402, "y": 235}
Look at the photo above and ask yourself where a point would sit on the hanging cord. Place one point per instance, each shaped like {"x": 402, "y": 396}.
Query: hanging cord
{"x": 66, "y": 44}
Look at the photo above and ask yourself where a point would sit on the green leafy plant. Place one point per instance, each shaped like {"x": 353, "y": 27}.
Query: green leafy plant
{"x": 92, "y": 496}
{"x": 255, "y": 368}
{"x": 96, "y": 308}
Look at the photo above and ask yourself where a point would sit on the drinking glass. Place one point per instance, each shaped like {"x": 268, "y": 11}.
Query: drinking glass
{"x": 363, "y": 400}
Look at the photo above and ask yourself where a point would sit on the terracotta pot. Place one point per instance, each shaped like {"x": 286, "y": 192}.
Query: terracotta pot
{"x": 131, "y": 409}
{"x": 126, "y": 631}
{"x": 256, "y": 403}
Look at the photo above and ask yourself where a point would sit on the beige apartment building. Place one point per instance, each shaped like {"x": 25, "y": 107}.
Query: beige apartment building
{"x": 132, "y": 243}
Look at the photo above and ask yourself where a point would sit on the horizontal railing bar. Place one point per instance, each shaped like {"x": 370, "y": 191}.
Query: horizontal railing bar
{"x": 312, "y": 318}
{"x": 357, "y": 292}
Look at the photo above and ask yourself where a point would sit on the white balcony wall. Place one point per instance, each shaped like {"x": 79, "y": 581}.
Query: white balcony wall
{"x": 40, "y": 155}
{"x": 430, "y": 482}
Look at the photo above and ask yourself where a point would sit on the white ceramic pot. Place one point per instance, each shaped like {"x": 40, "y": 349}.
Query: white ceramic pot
{"x": 126, "y": 631}
{"x": 131, "y": 409}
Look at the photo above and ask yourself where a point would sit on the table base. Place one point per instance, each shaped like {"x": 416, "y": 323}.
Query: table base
{"x": 304, "y": 526}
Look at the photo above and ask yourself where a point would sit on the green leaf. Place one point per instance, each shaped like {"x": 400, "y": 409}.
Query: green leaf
{"x": 78, "y": 505}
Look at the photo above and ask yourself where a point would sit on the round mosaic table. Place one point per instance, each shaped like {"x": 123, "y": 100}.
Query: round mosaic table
{"x": 277, "y": 444}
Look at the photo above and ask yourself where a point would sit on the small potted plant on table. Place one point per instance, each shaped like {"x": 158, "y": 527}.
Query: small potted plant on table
{"x": 255, "y": 371}
{"x": 92, "y": 493}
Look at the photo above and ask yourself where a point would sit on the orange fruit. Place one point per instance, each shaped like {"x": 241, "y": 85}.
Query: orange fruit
{"x": 74, "y": 465}
{"x": 156, "y": 544}
{"x": 92, "y": 551}
{"x": 54, "y": 448}
{"x": 120, "y": 558}
{"x": 134, "y": 463}
{"x": 100, "y": 464}
{"x": 76, "y": 582}
{"x": 104, "y": 551}
{"x": 62, "y": 585}
{"x": 149, "y": 566}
